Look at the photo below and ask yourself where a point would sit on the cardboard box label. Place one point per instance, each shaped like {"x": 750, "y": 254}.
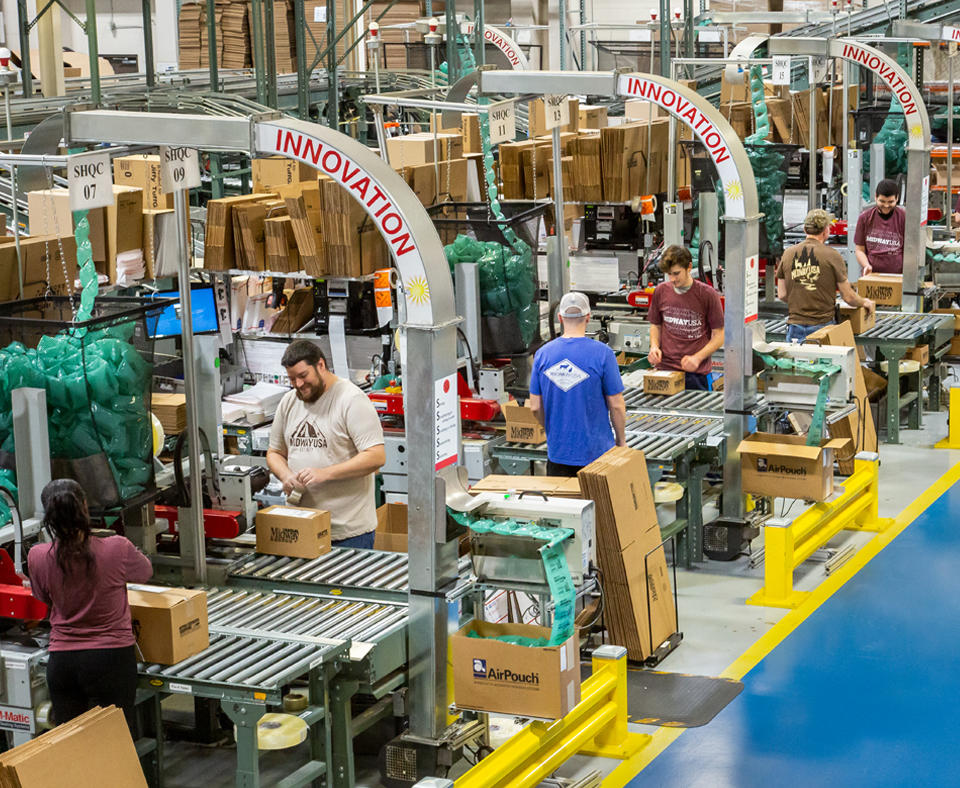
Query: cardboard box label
{"x": 295, "y": 532}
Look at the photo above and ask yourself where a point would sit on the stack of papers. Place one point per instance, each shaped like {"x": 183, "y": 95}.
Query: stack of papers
{"x": 256, "y": 404}
{"x": 130, "y": 267}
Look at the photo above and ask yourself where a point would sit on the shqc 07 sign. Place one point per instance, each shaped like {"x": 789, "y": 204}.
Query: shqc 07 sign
{"x": 90, "y": 181}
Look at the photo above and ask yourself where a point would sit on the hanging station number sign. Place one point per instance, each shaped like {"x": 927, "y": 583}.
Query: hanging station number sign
{"x": 503, "y": 122}
{"x": 556, "y": 111}
{"x": 781, "y": 70}
{"x": 179, "y": 169}
{"x": 90, "y": 181}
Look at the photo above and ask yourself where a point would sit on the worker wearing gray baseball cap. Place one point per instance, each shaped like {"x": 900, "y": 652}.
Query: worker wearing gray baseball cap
{"x": 576, "y": 393}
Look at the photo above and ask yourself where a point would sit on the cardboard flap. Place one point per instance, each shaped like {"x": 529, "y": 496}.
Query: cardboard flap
{"x": 777, "y": 448}
{"x": 836, "y": 443}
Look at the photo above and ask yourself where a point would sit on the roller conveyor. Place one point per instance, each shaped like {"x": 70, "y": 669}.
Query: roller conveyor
{"x": 694, "y": 402}
{"x": 372, "y": 574}
{"x": 297, "y": 615}
{"x": 893, "y": 327}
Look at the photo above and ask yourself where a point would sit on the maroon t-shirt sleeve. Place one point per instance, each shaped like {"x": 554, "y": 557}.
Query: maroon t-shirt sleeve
{"x": 860, "y": 236}
{"x": 714, "y": 309}
{"x": 654, "y": 313}
{"x": 36, "y": 571}
{"x": 137, "y": 567}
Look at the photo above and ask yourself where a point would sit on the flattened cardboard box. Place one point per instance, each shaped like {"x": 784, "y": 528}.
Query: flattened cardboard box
{"x": 503, "y": 678}
{"x": 293, "y": 531}
{"x": 920, "y": 353}
{"x": 170, "y": 623}
{"x": 858, "y": 318}
{"x": 95, "y": 747}
{"x": 663, "y": 382}
{"x": 553, "y": 486}
{"x": 522, "y": 425}
{"x": 783, "y": 466}
{"x": 882, "y": 289}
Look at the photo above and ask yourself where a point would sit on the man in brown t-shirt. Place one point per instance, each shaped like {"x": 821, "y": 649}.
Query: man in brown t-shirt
{"x": 686, "y": 321}
{"x": 808, "y": 277}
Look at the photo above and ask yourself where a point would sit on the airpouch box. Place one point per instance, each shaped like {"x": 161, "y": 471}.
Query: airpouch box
{"x": 391, "y": 532}
{"x": 493, "y": 676}
{"x": 170, "y": 623}
{"x": 882, "y": 289}
{"x": 522, "y": 424}
{"x": 783, "y": 466}
{"x": 293, "y": 531}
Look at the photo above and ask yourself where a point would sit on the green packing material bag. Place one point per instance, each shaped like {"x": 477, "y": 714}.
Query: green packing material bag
{"x": 133, "y": 471}
{"x": 84, "y": 438}
{"x": 104, "y": 385}
{"x": 112, "y": 429}
{"x": 20, "y": 372}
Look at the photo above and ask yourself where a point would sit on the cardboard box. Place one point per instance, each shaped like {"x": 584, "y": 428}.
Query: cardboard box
{"x": 171, "y": 410}
{"x": 663, "y": 382}
{"x": 391, "y": 532}
{"x": 858, "y": 317}
{"x": 411, "y": 150}
{"x": 643, "y": 110}
{"x": 273, "y": 171}
{"x": 954, "y": 312}
{"x": 876, "y": 384}
{"x": 552, "y": 486}
{"x": 640, "y": 612}
{"x": 293, "y": 531}
{"x": 219, "y": 247}
{"x": 783, "y": 466}
{"x": 522, "y": 425}
{"x": 842, "y": 335}
{"x": 538, "y": 126}
{"x": 50, "y": 214}
{"x": 920, "y": 353}
{"x": 39, "y": 255}
{"x": 423, "y": 180}
{"x": 143, "y": 172}
{"x": 93, "y": 750}
{"x": 124, "y": 225}
{"x": 503, "y": 678}
{"x": 170, "y": 623}
{"x": 592, "y": 117}
{"x": 882, "y": 289}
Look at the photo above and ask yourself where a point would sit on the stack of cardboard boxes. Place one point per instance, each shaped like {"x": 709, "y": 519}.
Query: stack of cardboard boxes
{"x": 393, "y": 54}
{"x": 191, "y": 15}
{"x": 640, "y": 607}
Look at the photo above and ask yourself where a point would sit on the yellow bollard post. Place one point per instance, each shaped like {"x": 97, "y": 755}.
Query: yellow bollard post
{"x": 614, "y": 740}
{"x": 952, "y": 441}
{"x": 778, "y": 563}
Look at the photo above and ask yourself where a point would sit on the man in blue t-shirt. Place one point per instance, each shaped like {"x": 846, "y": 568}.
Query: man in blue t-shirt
{"x": 576, "y": 392}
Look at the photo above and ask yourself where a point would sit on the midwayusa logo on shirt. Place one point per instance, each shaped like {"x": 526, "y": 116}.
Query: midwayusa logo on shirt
{"x": 307, "y": 436}
{"x": 565, "y": 374}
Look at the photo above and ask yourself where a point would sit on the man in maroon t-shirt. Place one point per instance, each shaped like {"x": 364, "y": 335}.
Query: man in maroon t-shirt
{"x": 879, "y": 236}
{"x": 686, "y": 321}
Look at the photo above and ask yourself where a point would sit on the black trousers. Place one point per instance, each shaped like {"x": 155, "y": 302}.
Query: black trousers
{"x": 559, "y": 469}
{"x": 80, "y": 680}
{"x": 694, "y": 381}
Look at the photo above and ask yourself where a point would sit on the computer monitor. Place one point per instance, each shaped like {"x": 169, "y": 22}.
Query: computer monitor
{"x": 204, "y": 310}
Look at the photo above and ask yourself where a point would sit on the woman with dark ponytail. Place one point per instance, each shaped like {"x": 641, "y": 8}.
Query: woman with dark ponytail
{"x": 84, "y": 581}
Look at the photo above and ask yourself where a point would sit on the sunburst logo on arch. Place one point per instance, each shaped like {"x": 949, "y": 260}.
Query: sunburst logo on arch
{"x": 418, "y": 290}
{"x": 916, "y": 131}
{"x": 734, "y": 191}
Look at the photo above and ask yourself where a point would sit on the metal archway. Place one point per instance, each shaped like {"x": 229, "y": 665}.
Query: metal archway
{"x": 741, "y": 222}
{"x": 509, "y": 47}
{"x": 431, "y": 340}
{"x": 918, "y": 133}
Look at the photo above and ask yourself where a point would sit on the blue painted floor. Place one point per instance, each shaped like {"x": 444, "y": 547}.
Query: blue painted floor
{"x": 865, "y": 692}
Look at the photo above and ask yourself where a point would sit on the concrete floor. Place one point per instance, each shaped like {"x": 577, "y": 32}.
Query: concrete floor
{"x": 716, "y": 623}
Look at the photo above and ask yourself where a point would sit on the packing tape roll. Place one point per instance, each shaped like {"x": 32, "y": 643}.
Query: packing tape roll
{"x": 907, "y": 366}
{"x": 279, "y": 731}
{"x": 294, "y": 701}
{"x": 158, "y": 435}
{"x": 667, "y": 492}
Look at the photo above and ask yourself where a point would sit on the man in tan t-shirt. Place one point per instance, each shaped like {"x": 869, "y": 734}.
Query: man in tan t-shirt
{"x": 808, "y": 277}
{"x": 326, "y": 443}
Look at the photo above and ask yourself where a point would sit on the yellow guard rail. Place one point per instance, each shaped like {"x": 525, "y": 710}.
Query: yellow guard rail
{"x": 596, "y": 726}
{"x": 787, "y": 544}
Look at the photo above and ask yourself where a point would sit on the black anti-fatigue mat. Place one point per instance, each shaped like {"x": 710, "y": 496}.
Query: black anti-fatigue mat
{"x": 675, "y": 700}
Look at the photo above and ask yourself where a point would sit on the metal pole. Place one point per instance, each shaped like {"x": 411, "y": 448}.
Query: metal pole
{"x": 212, "y": 45}
{"x": 6, "y": 111}
{"x": 23, "y": 18}
{"x": 333, "y": 93}
{"x": 562, "y": 252}
{"x": 664, "y": 37}
{"x": 812, "y": 142}
{"x": 303, "y": 78}
{"x": 93, "y": 49}
{"x": 270, "y": 43}
{"x": 16, "y": 228}
{"x": 259, "y": 67}
{"x": 583, "y": 35}
{"x": 148, "y": 62}
{"x": 562, "y": 15}
{"x": 672, "y": 150}
{"x": 480, "y": 55}
{"x": 950, "y": 204}
{"x": 450, "y": 26}
{"x": 191, "y": 532}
